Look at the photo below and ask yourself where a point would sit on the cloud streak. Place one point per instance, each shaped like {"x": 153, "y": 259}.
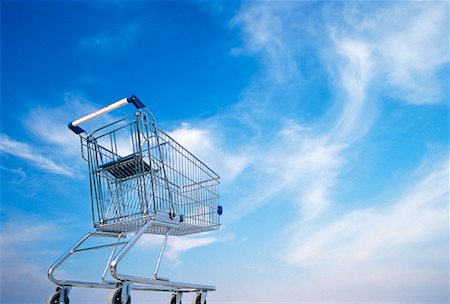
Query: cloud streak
{"x": 176, "y": 245}
{"x": 408, "y": 45}
{"x": 26, "y": 152}
{"x": 22, "y": 245}
{"x": 380, "y": 245}
{"x": 372, "y": 234}
{"x": 203, "y": 143}
{"x": 359, "y": 57}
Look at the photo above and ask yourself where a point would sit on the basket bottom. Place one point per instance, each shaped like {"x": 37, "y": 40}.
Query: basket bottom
{"x": 132, "y": 225}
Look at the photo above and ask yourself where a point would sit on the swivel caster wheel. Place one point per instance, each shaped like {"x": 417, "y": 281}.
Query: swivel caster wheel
{"x": 56, "y": 297}
{"x": 200, "y": 298}
{"x": 117, "y": 297}
{"x": 175, "y": 298}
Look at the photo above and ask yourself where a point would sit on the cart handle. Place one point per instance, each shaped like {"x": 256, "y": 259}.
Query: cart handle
{"x": 74, "y": 125}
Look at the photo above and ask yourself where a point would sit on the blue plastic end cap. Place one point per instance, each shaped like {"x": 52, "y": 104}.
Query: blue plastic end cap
{"x": 134, "y": 100}
{"x": 76, "y": 130}
{"x": 219, "y": 210}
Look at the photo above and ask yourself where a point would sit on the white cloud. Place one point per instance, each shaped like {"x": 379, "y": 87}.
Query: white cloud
{"x": 52, "y": 140}
{"x": 414, "y": 54}
{"x": 355, "y": 69}
{"x": 409, "y": 43}
{"x": 391, "y": 249}
{"x": 390, "y": 240}
{"x": 32, "y": 155}
{"x": 296, "y": 156}
{"x": 264, "y": 34}
{"x": 49, "y": 125}
{"x": 356, "y": 54}
{"x": 304, "y": 161}
{"x": 179, "y": 245}
{"x": 176, "y": 245}
{"x": 24, "y": 258}
{"x": 204, "y": 143}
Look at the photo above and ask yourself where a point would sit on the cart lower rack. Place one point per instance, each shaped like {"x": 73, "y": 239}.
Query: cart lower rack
{"x": 142, "y": 182}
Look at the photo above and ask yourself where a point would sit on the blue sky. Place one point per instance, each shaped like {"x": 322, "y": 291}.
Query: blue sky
{"x": 327, "y": 122}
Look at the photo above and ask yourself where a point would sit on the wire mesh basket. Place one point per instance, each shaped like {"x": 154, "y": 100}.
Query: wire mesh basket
{"x": 139, "y": 173}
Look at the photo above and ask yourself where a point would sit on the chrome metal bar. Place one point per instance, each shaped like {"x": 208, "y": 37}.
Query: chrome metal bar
{"x": 120, "y": 277}
{"x": 99, "y": 246}
{"x": 161, "y": 253}
{"x": 113, "y": 251}
{"x": 180, "y": 285}
{"x": 63, "y": 258}
{"x": 87, "y": 284}
{"x": 126, "y": 248}
{"x": 109, "y": 234}
{"x": 113, "y": 285}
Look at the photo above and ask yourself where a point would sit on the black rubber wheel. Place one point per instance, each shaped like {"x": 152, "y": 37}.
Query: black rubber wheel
{"x": 55, "y": 298}
{"x": 173, "y": 299}
{"x": 117, "y": 297}
{"x": 198, "y": 299}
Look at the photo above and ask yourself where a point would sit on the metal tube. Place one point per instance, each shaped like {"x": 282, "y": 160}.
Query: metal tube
{"x": 63, "y": 258}
{"x": 113, "y": 251}
{"x": 104, "y": 110}
{"x": 126, "y": 248}
{"x": 161, "y": 252}
{"x": 100, "y": 246}
{"x": 181, "y": 285}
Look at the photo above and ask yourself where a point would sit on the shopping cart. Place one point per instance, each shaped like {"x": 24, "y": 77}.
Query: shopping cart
{"x": 142, "y": 181}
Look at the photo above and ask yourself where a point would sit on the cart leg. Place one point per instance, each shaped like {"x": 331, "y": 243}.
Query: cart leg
{"x": 113, "y": 251}
{"x": 121, "y": 254}
{"x": 161, "y": 253}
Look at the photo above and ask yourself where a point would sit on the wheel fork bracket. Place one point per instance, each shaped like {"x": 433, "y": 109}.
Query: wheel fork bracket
{"x": 64, "y": 294}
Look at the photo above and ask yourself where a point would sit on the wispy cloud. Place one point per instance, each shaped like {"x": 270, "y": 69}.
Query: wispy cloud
{"x": 112, "y": 41}
{"x": 388, "y": 240}
{"x": 176, "y": 246}
{"x": 52, "y": 145}
{"x": 285, "y": 152}
{"x": 49, "y": 124}
{"x": 23, "y": 242}
{"x": 290, "y": 153}
{"x": 32, "y": 155}
{"x": 203, "y": 143}
{"x": 354, "y": 62}
{"x": 179, "y": 245}
{"x": 391, "y": 249}
{"x": 409, "y": 45}
{"x": 362, "y": 236}
{"x": 264, "y": 35}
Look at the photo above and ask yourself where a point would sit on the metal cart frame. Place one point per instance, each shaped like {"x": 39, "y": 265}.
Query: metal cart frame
{"x": 161, "y": 188}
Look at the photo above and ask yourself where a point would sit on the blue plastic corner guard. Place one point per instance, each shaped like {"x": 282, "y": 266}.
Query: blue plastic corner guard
{"x": 134, "y": 100}
{"x": 76, "y": 130}
{"x": 219, "y": 210}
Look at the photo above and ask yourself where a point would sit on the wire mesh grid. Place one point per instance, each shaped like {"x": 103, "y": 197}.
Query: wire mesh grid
{"x": 137, "y": 170}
